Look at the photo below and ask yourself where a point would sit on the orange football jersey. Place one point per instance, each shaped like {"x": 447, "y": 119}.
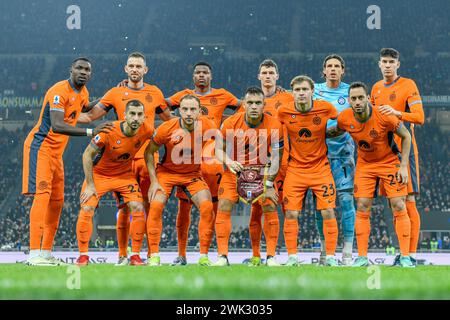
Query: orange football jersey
{"x": 150, "y": 95}
{"x": 183, "y": 149}
{"x": 251, "y": 145}
{"x": 61, "y": 97}
{"x": 307, "y": 134}
{"x": 216, "y": 101}
{"x": 117, "y": 150}
{"x": 374, "y": 138}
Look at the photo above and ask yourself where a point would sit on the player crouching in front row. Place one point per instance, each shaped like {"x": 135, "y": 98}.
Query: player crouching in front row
{"x": 183, "y": 140}
{"x": 379, "y": 160}
{"x": 107, "y": 168}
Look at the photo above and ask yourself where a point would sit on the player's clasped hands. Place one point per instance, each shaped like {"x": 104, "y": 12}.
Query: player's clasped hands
{"x": 402, "y": 175}
{"x": 235, "y": 167}
{"x": 87, "y": 194}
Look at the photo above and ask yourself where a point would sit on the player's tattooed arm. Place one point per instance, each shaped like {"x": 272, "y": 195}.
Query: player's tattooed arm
{"x": 90, "y": 105}
{"x": 93, "y": 114}
{"x": 165, "y": 115}
{"x": 402, "y": 174}
{"x": 150, "y": 161}
{"x": 88, "y": 163}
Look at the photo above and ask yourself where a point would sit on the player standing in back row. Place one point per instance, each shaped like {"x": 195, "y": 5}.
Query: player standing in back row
{"x": 340, "y": 153}
{"x": 400, "y": 97}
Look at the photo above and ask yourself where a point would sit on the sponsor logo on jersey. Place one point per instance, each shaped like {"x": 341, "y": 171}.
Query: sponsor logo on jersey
{"x": 305, "y": 132}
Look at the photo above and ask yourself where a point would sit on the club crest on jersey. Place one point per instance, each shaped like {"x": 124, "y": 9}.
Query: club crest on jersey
{"x": 341, "y": 100}
{"x": 373, "y": 133}
{"x": 148, "y": 98}
{"x": 317, "y": 120}
{"x": 393, "y": 96}
{"x": 320, "y": 93}
{"x": 56, "y": 100}
{"x": 213, "y": 101}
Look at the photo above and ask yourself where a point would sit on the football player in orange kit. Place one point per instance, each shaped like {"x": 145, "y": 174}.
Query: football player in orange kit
{"x": 400, "y": 97}
{"x": 248, "y": 139}
{"x": 183, "y": 139}
{"x": 378, "y": 163}
{"x": 273, "y": 100}
{"x": 107, "y": 168}
{"x": 214, "y": 102}
{"x": 43, "y": 168}
{"x": 116, "y": 99}
{"x": 308, "y": 166}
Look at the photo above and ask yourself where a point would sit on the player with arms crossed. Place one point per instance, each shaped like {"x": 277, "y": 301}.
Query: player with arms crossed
{"x": 213, "y": 102}
{"x": 400, "y": 97}
{"x": 378, "y": 162}
{"x": 340, "y": 153}
{"x": 43, "y": 168}
{"x": 107, "y": 168}
{"x": 273, "y": 99}
{"x": 183, "y": 140}
{"x": 116, "y": 99}
{"x": 308, "y": 167}
{"x": 248, "y": 139}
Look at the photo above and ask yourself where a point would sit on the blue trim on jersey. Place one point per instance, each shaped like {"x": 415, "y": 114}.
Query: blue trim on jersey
{"x": 38, "y": 139}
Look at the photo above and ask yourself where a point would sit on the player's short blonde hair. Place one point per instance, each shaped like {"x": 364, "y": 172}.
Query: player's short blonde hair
{"x": 300, "y": 79}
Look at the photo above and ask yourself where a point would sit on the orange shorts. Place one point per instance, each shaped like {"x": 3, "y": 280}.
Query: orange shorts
{"x": 297, "y": 184}
{"x": 42, "y": 173}
{"x": 124, "y": 188}
{"x": 279, "y": 182}
{"x": 228, "y": 189}
{"x": 190, "y": 183}
{"x": 212, "y": 174}
{"x": 369, "y": 176}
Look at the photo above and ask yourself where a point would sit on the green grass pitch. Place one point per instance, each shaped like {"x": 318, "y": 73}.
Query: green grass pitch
{"x": 236, "y": 282}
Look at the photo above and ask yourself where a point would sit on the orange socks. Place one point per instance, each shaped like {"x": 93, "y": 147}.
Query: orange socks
{"x": 362, "y": 229}
{"x": 271, "y": 230}
{"x": 255, "y": 228}
{"x": 330, "y": 232}
{"x": 137, "y": 228}
{"x": 122, "y": 230}
{"x": 403, "y": 230}
{"x": 291, "y": 235}
{"x": 206, "y": 226}
{"x": 37, "y": 213}
{"x": 414, "y": 217}
{"x": 51, "y": 222}
{"x": 84, "y": 230}
{"x": 154, "y": 225}
{"x": 183, "y": 222}
{"x": 223, "y": 231}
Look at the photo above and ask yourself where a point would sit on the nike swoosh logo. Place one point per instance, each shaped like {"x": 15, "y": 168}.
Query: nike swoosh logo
{"x": 114, "y": 148}
{"x": 291, "y": 122}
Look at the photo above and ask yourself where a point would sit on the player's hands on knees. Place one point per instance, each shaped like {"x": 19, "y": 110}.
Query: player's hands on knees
{"x": 387, "y": 110}
{"x": 153, "y": 190}
{"x": 271, "y": 194}
{"x": 87, "y": 194}
{"x": 103, "y": 127}
{"x": 123, "y": 83}
{"x": 235, "y": 167}
{"x": 402, "y": 175}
